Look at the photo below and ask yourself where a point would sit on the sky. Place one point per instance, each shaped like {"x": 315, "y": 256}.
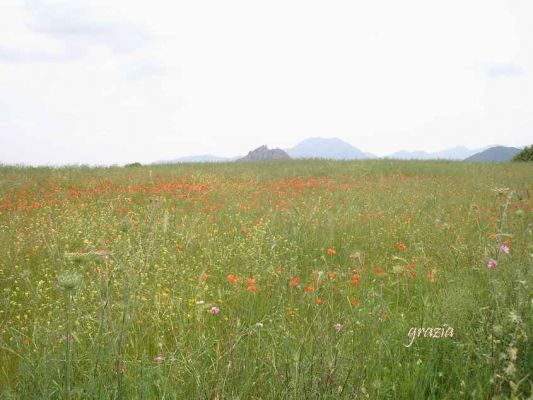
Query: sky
{"x": 112, "y": 82}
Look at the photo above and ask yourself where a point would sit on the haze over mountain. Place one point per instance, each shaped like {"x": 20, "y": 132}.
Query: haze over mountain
{"x": 409, "y": 155}
{"x": 338, "y": 149}
{"x": 495, "y": 154}
{"x": 199, "y": 158}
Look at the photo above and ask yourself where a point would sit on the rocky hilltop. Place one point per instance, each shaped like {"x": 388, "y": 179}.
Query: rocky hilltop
{"x": 264, "y": 153}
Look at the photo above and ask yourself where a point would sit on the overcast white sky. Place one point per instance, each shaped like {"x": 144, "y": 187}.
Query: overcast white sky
{"x": 115, "y": 81}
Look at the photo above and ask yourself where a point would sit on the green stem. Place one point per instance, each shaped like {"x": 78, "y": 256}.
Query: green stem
{"x": 67, "y": 350}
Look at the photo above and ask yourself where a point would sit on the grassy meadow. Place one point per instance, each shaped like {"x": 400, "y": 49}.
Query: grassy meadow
{"x": 267, "y": 280}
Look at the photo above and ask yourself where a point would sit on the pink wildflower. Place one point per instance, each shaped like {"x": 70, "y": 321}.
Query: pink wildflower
{"x": 491, "y": 263}
{"x": 504, "y": 249}
{"x": 159, "y": 359}
{"x": 214, "y": 310}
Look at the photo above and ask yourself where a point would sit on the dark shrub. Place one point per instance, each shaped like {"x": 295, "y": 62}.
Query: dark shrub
{"x": 525, "y": 155}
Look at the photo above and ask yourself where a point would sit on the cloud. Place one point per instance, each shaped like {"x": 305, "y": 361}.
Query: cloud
{"x": 224, "y": 77}
{"x": 78, "y": 30}
{"x": 74, "y": 30}
{"x": 503, "y": 70}
{"x": 29, "y": 55}
{"x": 143, "y": 71}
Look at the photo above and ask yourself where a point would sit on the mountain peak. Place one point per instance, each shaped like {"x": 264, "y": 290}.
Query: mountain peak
{"x": 332, "y": 148}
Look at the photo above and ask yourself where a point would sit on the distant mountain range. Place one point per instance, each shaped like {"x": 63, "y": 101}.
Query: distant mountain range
{"x": 337, "y": 149}
{"x": 454, "y": 153}
{"x": 497, "y": 153}
{"x": 331, "y": 148}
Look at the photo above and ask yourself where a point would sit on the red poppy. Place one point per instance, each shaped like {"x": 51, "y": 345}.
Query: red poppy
{"x": 309, "y": 289}
{"x": 294, "y": 281}
{"x": 233, "y": 278}
{"x": 400, "y": 246}
{"x": 331, "y": 251}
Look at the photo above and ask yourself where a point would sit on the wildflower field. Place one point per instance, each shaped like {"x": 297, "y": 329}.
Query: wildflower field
{"x": 268, "y": 280}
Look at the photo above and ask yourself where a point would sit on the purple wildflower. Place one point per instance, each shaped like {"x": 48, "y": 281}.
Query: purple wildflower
{"x": 491, "y": 263}
{"x": 504, "y": 249}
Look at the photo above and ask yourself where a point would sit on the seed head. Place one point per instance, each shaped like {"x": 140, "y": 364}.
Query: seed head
{"x": 69, "y": 281}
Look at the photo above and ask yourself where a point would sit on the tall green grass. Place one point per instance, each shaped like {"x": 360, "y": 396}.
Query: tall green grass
{"x": 108, "y": 276}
